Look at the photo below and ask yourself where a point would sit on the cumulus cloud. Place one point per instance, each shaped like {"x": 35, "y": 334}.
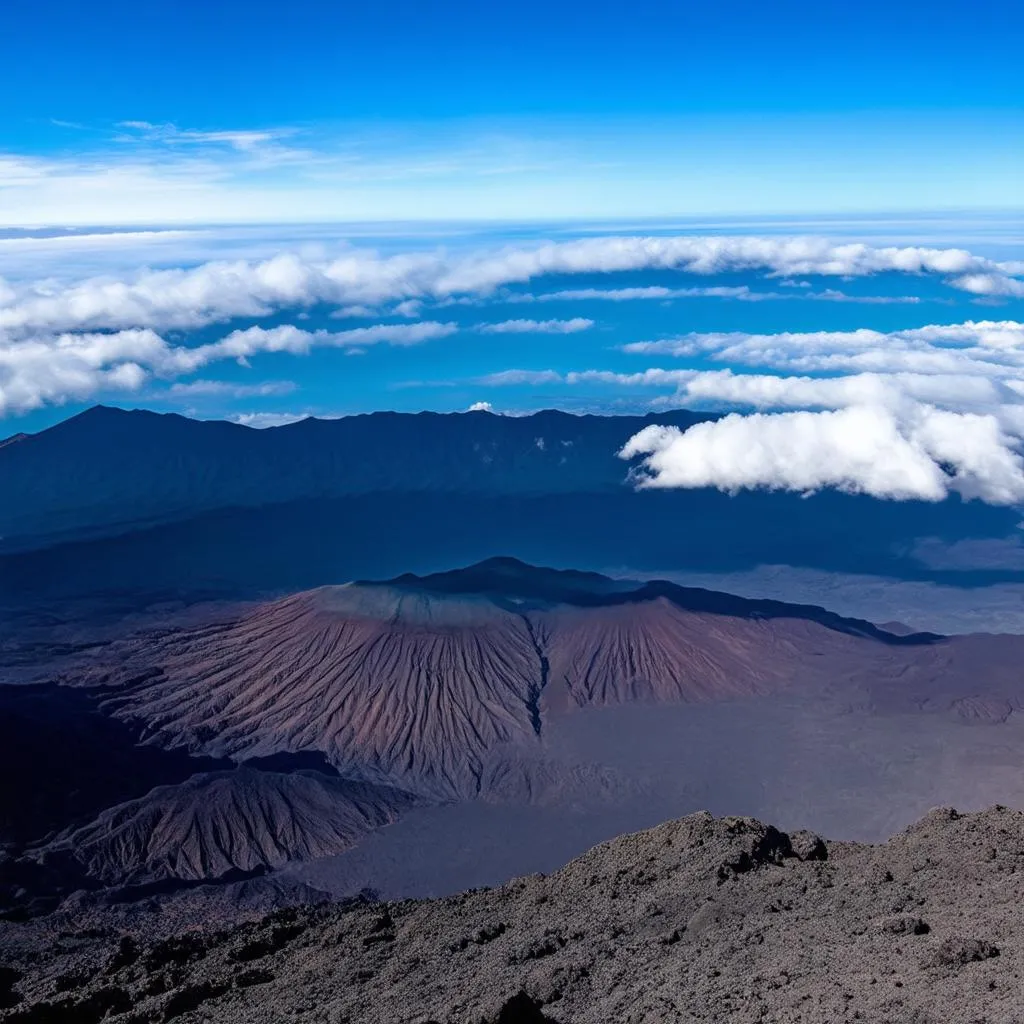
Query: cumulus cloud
{"x": 573, "y": 326}
{"x": 940, "y": 410}
{"x": 998, "y": 285}
{"x": 924, "y": 454}
{"x": 220, "y": 291}
{"x": 481, "y": 407}
{"x": 65, "y": 367}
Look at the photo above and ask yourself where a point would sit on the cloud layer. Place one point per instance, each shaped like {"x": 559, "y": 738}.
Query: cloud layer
{"x": 69, "y": 340}
{"x": 52, "y": 369}
{"x": 220, "y": 291}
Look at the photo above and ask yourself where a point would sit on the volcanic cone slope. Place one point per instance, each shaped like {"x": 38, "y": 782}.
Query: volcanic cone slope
{"x": 421, "y": 682}
{"x": 226, "y": 822}
{"x": 386, "y": 683}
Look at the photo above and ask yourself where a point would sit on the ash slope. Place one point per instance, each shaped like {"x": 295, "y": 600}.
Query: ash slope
{"x": 701, "y": 919}
{"x": 422, "y": 682}
{"x": 222, "y": 823}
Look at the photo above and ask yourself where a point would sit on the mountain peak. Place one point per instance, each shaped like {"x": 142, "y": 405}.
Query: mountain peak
{"x": 505, "y": 576}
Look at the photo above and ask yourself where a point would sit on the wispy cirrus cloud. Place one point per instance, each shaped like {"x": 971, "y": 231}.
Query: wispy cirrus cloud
{"x": 983, "y": 347}
{"x": 572, "y": 326}
{"x": 171, "y": 134}
{"x": 139, "y": 171}
{"x": 229, "y": 389}
{"x": 516, "y": 378}
{"x": 740, "y": 293}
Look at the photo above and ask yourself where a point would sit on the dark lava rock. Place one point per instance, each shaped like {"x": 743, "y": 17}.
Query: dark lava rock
{"x": 808, "y": 846}
{"x": 700, "y": 920}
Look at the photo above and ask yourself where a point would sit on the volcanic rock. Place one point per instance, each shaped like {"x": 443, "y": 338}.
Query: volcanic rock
{"x": 655, "y": 926}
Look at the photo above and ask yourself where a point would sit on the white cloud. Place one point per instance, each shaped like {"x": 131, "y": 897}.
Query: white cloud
{"x": 511, "y": 378}
{"x": 986, "y": 347}
{"x": 645, "y": 378}
{"x": 782, "y": 257}
{"x": 263, "y": 420}
{"x": 573, "y": 326}
{"x": 741, "y": 293}
{"x": 766, "y": 391}
{"x": 632, "y": 294}
{"x": 59, "y": 368}
{"x": 940, "y": 411}
{"x": 353, "y": 312}
{"x": 990, "y": 285}
{"x": 924, "y": 454}
{"x": 229, "y": 389}
{"x": 288, "y": 338}
{"x": 410, "y": 308}
{"x": 834, "y": 295}
{"x": 219, "y": 291}
{"x": 481, "y": 407}
{"x": 248, "y": 142}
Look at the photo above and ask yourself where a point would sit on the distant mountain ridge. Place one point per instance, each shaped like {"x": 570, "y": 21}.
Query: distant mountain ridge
{"x": 507, "y": 578}
{"x": 141, "y": 506}
{"x": 108, "y": 470}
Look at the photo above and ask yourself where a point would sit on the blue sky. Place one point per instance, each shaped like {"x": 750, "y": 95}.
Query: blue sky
{"x": 261, "y": 63}
{"x": 194, "y": 112}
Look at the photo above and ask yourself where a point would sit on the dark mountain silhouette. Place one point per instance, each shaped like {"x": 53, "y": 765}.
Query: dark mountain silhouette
{"x": 155, "y": 507}
{"x": 13, "y": 439}
{"x": 510, "y": 579}
{"x": 108, "y": 470}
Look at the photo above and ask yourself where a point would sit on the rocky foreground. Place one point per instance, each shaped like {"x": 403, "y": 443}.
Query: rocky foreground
{"x": 701, "y": 919}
